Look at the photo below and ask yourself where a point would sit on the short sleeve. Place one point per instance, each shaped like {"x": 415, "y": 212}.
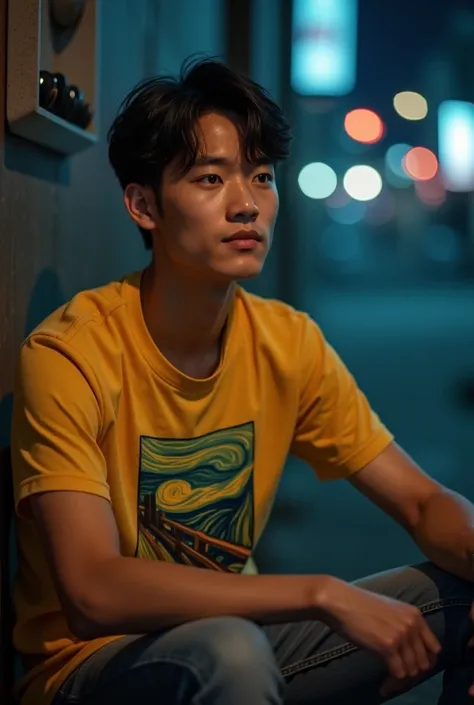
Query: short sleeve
{"x": 336, "y": 432}
{"x": 56, "y": 424}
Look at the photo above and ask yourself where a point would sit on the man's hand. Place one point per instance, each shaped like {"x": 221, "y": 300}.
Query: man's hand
{"x": 394, "y": 630}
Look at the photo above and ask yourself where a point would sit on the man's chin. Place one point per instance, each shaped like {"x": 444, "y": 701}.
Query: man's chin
{"x": 242, "y": 268}
{"x": 250, "y": 271}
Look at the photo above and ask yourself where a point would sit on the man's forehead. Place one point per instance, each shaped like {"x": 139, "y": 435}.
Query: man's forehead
{"x": 221, "y": 141}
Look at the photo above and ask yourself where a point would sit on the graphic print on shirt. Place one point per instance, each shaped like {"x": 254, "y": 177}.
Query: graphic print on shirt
{"x": 195, "y": 499}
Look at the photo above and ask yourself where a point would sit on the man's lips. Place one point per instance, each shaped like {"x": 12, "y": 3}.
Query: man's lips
{"x": 244, "y": 235}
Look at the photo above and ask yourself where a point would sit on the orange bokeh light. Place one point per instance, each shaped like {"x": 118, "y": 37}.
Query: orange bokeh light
{"x": 364, "y": 126}
{"x": 421, "y": 164}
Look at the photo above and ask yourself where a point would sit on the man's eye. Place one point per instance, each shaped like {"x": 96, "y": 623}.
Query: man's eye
{"x": 209, "y": 179}
{"x": 264, "y": 178}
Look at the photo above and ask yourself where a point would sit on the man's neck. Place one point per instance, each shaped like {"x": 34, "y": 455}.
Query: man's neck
{"x": 186, "y": 318}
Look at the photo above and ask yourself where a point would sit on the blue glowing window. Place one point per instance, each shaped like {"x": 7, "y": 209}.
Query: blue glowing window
{"x": 324, "y": 47}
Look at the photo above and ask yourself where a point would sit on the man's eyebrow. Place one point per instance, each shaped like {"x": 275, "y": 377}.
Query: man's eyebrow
{"x": 214, "y": 160}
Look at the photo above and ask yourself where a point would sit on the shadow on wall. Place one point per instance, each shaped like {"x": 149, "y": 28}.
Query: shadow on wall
{"x": 25, "y": 157}
{"x": 46, "y": 296}
{"x": 6, "y": 409}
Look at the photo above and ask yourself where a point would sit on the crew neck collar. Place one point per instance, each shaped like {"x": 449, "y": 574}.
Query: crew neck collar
{"x": 190, "y": 386}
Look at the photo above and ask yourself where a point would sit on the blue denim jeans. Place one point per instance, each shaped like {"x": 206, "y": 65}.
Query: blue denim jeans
{"x": 232, "y": 661}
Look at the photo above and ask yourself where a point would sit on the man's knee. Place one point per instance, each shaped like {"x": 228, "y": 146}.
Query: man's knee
{"x": 230, "y": 644}
{"x": 224, "y": 659}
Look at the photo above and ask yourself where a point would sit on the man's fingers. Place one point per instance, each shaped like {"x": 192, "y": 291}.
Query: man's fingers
{"x": 410, "y": 660}
{"x": 424, "y": 658}
{"x": 396, "y": 666}
{"x": 429, "y": 639}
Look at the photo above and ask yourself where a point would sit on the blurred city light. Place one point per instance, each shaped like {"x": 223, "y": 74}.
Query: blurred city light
{"x": 395, "y": 173}
{"x": 350, "y": 145}
{"x": 317, "y": 180}
{"x": 362, "y": 182}
{"x": 324, "y": 47}
{"x": 394, "y": 159}
{"x": 349, "y": 213}
{"x": 410, "y": 105}
{"x": 364, "y": 126}
{"x": 398, "y": 181}
{"x": 338, "y": 199}
{"x": 420, "y": 163}
{"x": 381, "y": 210}
{"x": 432, "y": 193}
{"x": 456, "y": 144}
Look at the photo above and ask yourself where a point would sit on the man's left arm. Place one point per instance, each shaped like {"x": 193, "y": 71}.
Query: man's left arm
{"x": 440, "y": 521}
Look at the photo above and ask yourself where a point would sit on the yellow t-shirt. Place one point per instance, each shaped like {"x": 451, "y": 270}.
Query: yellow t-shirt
{"x": 191, "y": 466}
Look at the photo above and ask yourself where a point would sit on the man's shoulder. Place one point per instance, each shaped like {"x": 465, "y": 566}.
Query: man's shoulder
{"x": 86, "y": 310}
{"x": 91, "y": 322}
{"x": 277, "y": 324}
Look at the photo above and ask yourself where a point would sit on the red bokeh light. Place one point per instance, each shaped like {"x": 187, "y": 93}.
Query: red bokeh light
{"x": 420, "y": 164}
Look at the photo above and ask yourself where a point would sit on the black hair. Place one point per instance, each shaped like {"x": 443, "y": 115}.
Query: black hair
{"x": 156, "y": 122}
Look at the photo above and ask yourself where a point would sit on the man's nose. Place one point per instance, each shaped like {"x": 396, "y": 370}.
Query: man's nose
{"x": 242, "y": 207}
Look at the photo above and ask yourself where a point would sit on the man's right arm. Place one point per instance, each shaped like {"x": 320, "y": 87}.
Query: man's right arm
{"x": 105, "y": 593}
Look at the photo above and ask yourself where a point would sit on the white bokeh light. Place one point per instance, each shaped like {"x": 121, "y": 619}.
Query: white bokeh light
{"x": 362, "y": 182}
{"x": 317, "y": 180}
{"x": 456, "y": 144}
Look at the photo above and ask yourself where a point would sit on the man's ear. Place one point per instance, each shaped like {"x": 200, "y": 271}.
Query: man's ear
{"x": 140, "y": 203}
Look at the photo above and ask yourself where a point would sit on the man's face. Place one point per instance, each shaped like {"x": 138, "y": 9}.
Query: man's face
{"x": 207, "y": 213}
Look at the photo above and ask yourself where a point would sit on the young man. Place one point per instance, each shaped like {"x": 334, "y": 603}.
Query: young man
{"x": 152, "y": 420}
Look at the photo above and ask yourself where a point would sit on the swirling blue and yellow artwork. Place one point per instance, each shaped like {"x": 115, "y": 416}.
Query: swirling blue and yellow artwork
{"x": 195, "y": 498}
